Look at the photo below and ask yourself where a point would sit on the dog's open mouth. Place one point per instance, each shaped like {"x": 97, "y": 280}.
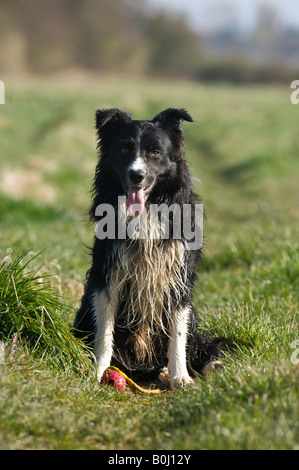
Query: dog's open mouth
{"x": 136, "y": 197}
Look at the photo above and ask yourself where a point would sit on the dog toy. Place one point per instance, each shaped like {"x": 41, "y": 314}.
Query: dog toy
{"x": 114, "y": 378}
{"x": 113, "y": 374}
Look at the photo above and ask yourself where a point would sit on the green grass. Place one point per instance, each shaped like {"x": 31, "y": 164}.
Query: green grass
{"x": 31, "y": 313}
{"x": 244, "y": 149}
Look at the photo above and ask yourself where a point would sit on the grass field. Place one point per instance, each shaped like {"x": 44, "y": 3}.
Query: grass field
{"x": 244, "y": 149}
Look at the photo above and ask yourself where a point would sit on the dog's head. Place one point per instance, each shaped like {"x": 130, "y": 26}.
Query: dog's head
{"x": 140, "y": 153}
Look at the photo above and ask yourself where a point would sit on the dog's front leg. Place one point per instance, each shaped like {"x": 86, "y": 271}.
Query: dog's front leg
{"x": 105, "y": 310}
{"x": 177, "y": 365}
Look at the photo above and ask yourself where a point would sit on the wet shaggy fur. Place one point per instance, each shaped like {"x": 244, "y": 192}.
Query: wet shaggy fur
{"x": 136, "y": 311}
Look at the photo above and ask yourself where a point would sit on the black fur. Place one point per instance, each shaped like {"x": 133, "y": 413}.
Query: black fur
{"x": 120, "y": 138}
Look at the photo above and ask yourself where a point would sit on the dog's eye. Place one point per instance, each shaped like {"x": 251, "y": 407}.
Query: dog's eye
{"x": 124, "y": 150}
{"x": 154, "y": 153}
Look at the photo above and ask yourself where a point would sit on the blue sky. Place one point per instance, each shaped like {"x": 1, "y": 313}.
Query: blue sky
{"x": 206, "y": 15}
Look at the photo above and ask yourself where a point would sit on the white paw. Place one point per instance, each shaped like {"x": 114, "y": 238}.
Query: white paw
{"x": 181, "y": 380}
{"x": 100, "y": 372}
{"x": 177, "y": 379}
{"x": 164, "y": 376}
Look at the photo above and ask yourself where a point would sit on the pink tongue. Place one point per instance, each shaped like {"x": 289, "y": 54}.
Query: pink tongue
{"x": 135, "y": 201}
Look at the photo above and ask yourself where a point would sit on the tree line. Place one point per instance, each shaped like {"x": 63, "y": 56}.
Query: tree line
{"x": 127, "y": 36}
{"x": 108, "y": 35}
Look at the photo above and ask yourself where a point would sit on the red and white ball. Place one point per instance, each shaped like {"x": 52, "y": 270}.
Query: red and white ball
{"x": 114, "y": 379}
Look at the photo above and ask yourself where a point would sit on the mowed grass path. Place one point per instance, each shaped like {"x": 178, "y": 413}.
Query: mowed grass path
{"x": 244, "y": 149}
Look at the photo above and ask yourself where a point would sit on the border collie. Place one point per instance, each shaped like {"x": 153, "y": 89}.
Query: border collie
{"x": 137, "y": 310}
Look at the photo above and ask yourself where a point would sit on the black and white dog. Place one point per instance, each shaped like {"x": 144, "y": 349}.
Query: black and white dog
{"x": 137, "y": 308}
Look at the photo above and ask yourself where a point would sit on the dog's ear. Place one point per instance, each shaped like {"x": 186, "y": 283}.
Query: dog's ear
{"x": 171, "y": 119}
{"x": 110, "y": 116}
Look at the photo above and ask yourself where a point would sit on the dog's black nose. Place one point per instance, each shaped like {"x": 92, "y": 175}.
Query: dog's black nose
{"x": 136, "y": 176}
